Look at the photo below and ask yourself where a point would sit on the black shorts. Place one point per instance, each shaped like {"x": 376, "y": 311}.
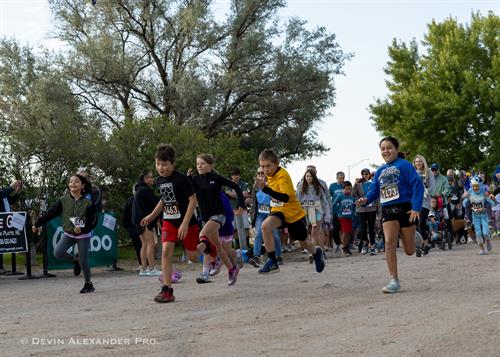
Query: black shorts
{"x": 140, "y": 229}
{"x": 297, "y": 230}
{"x": 398, "y": 212}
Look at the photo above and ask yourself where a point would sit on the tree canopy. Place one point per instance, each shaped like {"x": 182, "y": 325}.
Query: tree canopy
{"x": 444, "y": 100}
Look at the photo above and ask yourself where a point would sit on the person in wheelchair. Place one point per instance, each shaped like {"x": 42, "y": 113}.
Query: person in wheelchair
{"x": 436, "y": 222}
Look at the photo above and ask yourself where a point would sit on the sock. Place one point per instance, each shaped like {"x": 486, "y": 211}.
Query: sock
{"x": 166, "y": 286}
{"x": 206, "y": 269}
{"x": 272, "y": 256}
{"x": 210, "y": 249}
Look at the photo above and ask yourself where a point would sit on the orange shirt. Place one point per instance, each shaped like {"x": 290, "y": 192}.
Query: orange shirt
{"x": 282, "y": 183}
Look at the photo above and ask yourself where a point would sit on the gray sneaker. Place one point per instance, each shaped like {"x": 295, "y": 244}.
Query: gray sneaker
{"x": 392, "y": 287}
{"x": 203, "y": 279}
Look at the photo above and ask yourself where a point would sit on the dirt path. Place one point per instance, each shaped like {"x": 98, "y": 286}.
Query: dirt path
{"x": 449, "y": 306}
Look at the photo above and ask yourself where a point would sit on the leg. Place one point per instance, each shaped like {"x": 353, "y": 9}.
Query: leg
{"x": 167, "y": 254}
{"x": 60, "y": 250}
{"x": 211, "y": 231}
{"x": 149, "y": 239}
{"x": 83, "y": 257}
{"x": 136, "y": 241}
{"x": 257, "y": 244}
{"x": 372, "y": 216}
{"x": 270, "y": 223}
{"x": 143, "y": 254}
{"x": 408, "y": 236}
{"x": 277, "y": 242}
{"x": 391, "y": 233}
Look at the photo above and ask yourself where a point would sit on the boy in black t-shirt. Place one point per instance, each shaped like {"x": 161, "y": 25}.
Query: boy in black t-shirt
{"x": 178, "y": 202}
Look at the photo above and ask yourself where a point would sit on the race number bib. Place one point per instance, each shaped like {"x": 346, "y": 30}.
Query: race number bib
{"x": 171, "y": 211}
{"x": 276, "y": 203}
{"x": 264, "y": 209}
{"x": 308, "y": 204}
{"x": 389, "y": 193}
{"x": 346, "y": 211}
{"x": 78, "y": 222}
{"x": 477, "y": 207}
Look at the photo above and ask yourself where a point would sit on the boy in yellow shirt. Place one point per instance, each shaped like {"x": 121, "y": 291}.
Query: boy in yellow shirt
{"x": 286, "y": 211}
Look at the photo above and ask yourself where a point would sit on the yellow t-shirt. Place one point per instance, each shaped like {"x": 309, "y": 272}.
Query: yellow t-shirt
{"x": 282, "y": 183}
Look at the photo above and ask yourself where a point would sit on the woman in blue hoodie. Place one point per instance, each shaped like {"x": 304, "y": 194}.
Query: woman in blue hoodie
{"x": 401, "y": 192}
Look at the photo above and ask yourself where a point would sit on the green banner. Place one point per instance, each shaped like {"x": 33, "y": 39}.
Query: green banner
{"x": 103, "y": 244}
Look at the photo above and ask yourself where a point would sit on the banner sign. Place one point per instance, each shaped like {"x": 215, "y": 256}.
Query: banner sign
{"x": 13, "y": 232}
{"x": 103, "y": 243}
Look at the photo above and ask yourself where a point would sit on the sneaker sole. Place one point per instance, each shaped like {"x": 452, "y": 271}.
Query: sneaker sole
{"x": 162, "y": 301}
{"x": 387, "y": 291}
{"x": 202, "y": 281}
{"x": 270, "y": 272}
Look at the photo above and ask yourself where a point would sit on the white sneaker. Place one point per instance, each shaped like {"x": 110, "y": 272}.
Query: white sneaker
{"x": 154, "y": 272}
{"x": 469, "y": 240}
{"x": 364, "y": 250}
{"x": 239, "y": 258}
{"x": 144, "y": 272}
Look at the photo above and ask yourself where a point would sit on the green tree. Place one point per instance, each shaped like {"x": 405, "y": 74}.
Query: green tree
{"x": 249, "y": 74}
{"x": 443, "y": 102}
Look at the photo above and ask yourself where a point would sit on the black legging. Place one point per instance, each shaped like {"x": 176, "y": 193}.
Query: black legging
{"x": 422, "y": 223}
{"x": 136, "y": 240}
{"x": 336, "y": 229}
{"x": 367, "y": 225}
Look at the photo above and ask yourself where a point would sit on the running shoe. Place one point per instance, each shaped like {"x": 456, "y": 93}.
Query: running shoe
{"x": 319, "y": 260}
{"x": 346, "y": 252}
{"x": 144, "y": 272}
{"x": 87, "y": 288}
{"x": 418, "y": 252}
{"x": 165, "y": 295}
{"x": 239, "y": 258}
{"x": 489, "y": 247}
{"x": 76, "y": 267}
{"x": 269, "y": 268}
{"x": 373, "y": 251}
{"x": 254, "y": 261}
{"x": 364, "y": 250}
{"x": 233, "y": 275}
{"x": 311, "y": 259}
{"x": 337, "y": 248}
{"x": 392, "y": 287}
{"x": 175, "y": 277}
{"x": 482, "y": 252}
{"x": 154, "y": 272}
{"x": 203, "y": 279}
{"x": 215, "y": 267}
{"x": 279, "y": 260}
{"x": 426, "y": 249}
{"x": 469, "y": 240}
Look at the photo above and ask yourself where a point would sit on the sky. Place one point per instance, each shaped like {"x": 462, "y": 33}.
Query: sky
{"x": 363, "y": 27}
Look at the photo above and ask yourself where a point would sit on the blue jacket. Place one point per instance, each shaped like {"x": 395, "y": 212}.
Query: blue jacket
{"x": 397, "y": 182}
{"x": 335, "y": 191}
{"x": 347, "y": 206}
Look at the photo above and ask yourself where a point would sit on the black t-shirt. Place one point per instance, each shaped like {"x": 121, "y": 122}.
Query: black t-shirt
{"x": 175, "y": 191}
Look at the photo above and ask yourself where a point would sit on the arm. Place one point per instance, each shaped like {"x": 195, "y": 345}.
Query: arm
{"x": 374, "y": 192}
{"x": 226, "y": 182}
{"x": 151, "y": 217}
{"x": 54, "y": 211}
{"x": 283, "y": 197}
{"x": 418, "y": 188}
{"x": 326, "y": 207}
{"x": 90, "y": 219}
{"x": 184, "y": 227}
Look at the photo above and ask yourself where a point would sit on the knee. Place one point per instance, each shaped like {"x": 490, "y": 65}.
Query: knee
{"x": 409, "y": 250}
{"x": 266, "y": 227}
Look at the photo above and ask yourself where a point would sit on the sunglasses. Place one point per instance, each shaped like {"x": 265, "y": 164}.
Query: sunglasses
{"x": 260, "y": 173}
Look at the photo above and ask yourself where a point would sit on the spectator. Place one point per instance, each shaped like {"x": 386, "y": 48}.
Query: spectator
{"x": 8, "y": 196}
{"x": 442, "y": 186}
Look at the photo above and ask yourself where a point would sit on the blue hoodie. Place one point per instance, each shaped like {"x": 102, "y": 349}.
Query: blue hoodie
{"x": 397, "y": 182}
{"x": 495, "y": 180}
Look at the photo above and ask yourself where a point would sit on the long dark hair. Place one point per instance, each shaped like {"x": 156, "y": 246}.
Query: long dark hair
{"x": 394, "y": 142}
{"x": 315, "y": 182}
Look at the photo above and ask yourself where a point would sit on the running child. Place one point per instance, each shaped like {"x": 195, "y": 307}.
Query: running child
{"x": 178, "y": 202}
{"x": 346, "y": 213}
{"x": 208, "y": 186}
{"x": 79, "y": 217}
{"x": 286, "y": 211}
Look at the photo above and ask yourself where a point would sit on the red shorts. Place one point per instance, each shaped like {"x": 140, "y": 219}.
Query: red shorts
{"x": 345, "y": 225}
{"x": 169, "y": 233}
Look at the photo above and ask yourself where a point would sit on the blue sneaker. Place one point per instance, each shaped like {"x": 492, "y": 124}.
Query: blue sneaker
{"x": 392, "y": 287}
{"x": 269, "y": 268}
{"x": 319, "y": 260}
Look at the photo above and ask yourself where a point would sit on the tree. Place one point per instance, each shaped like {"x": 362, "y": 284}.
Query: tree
{"x": 248, "y": 75}
{"x": 443, "y": 103}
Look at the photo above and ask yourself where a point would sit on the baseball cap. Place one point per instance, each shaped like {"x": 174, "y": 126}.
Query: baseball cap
{"x": 434, "y": 166}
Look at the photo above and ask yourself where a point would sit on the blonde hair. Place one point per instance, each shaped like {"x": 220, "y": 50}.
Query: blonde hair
{"x": 427, "y": 171}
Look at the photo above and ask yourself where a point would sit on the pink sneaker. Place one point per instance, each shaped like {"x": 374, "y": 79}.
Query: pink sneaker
{"x": 176, "y": 276}
{"x": 233, "y": 275}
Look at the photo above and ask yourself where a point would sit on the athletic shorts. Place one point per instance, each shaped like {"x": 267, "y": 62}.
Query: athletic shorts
{"x": 297, "y": 230}
{"x": 169, "y": 233}
{"x": 398, "y": 212}
{"x": 345, "y": 225}
{"x": 226, "y": 239}
{"x": 219, "y": 218}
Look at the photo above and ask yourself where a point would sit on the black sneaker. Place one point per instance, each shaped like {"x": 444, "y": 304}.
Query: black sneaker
{"x": 319, "y": 260}
{"x": 76, "y": 267}
{"x": 254, "y": 261}
{"x": 418, "y": 252}
{"x": 87, "y": 288}
{"x": 346, "y": 252}
{"x": 279, "y": 260}
{"x": 426, "y": 249}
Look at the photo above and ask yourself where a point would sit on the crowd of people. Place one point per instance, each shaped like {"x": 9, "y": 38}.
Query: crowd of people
{"x": 212, "y": 216}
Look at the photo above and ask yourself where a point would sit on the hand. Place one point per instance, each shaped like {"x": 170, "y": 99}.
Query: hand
{"x": 145, "y": 221}
{"x": 361, "y": 201}
{"x": 414, "y": 215}
{"x": 77, "y": 230}
{"x": 189, "y": 172}
{"x": 17, "y": 185}
{"x": 182, "y": 231}
{"x": 239, "y": 211}
{"x": 260, "y": 182}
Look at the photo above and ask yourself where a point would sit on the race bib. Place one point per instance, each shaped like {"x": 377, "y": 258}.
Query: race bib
{"x": 78, "y": 222}
{"x": 171, "y": 211}
{"x": 346, "y": 211}
{"x": 276, "y": 203}
{"x": 389, "y": 193}
{"x": 308, "y": 204}
{"x": 264, "y": 209}
{"x": 477, "y": 207}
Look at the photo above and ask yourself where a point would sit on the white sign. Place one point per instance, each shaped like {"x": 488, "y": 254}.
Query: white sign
{"x": 109, "y": 222}
{"x": 18, "y": 221}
